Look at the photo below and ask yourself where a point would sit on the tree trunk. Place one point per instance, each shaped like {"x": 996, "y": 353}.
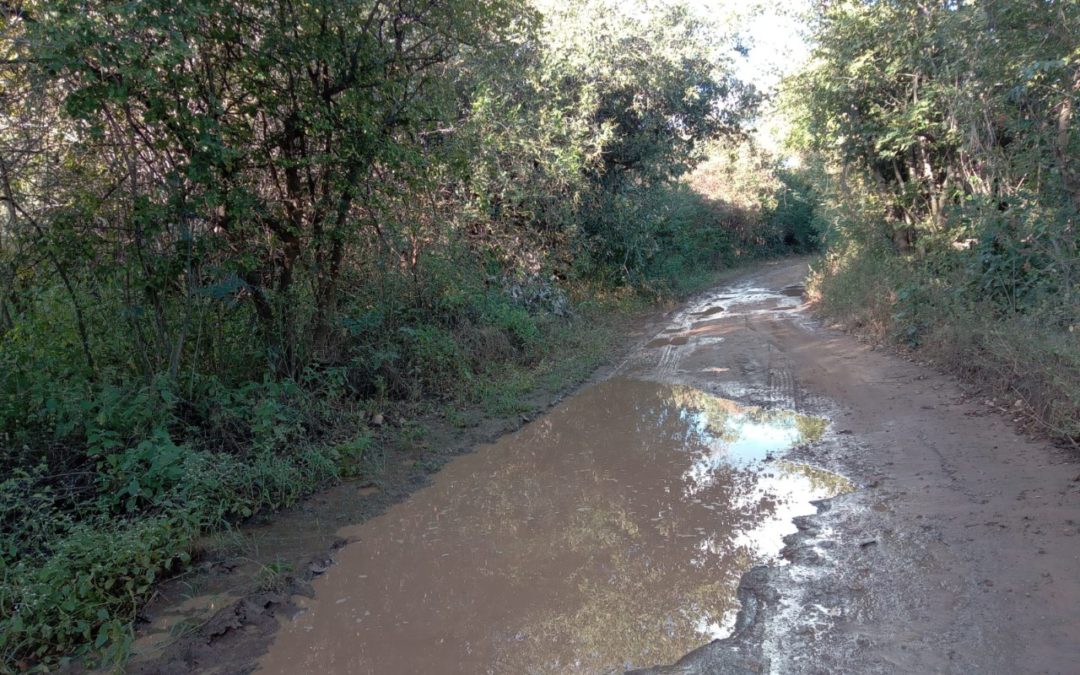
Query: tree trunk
{"x": 1070, "y": 174}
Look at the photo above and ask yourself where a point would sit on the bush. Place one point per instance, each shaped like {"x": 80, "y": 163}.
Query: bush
{"x": 987, "y": 313}
{"x": 88, "y": 589}
{"x": 795, "y": 216}
{"x": 80, "y": 583}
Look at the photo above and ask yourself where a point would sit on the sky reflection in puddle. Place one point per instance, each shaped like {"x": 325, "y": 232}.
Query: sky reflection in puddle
{"x": 609, "y": 533}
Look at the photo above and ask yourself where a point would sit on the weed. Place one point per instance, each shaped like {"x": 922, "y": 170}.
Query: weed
{"x": 1024, "y": 353}
{"x": 350, "y": 455}
{"x": 274, "y": 576}
{"x": 459, "y": 419}
{"x": 502, "y": 394}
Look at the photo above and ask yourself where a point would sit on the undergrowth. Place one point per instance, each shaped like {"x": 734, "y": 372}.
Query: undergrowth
{"x": 944, "y": 306}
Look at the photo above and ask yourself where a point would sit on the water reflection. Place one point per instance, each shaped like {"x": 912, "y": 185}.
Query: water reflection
{"x": 610, "y": 533}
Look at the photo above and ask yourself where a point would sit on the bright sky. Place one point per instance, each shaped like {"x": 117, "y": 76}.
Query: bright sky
{"x": 773, "y": 31}
{"x": 776, "y": 43}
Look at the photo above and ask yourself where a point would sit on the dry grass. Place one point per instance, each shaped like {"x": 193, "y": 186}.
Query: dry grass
{"x": 1021, "y": 358}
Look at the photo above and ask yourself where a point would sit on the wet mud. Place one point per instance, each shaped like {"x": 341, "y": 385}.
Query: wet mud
{"x": 710, "y": 311}
{"x": 665, "y": 341}
{"x": 956, "y": 554}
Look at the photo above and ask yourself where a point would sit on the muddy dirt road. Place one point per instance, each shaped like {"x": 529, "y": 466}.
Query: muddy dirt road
{"x": 642, "y": 522}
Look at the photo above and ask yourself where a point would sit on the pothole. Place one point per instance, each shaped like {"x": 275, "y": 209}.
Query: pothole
{"x": 610, "y": 533}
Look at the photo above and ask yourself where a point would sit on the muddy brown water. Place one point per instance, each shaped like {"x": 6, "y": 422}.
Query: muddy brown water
{"x": 608, "y": 534}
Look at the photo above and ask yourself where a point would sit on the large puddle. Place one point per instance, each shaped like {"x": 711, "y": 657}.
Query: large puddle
{"x": 610, "y": 533}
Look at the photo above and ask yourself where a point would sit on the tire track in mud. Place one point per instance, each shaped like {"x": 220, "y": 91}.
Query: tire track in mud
{"x": 669, "y": 362}
{"x": 769, "y": 380}
{"x": 783, "y": 388}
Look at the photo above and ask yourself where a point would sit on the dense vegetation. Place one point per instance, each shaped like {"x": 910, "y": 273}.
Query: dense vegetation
{"x": 235, "y": 232}
{"x": 945, "y": 144}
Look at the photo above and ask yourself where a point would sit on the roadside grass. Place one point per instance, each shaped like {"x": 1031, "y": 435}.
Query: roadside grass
{"x": 1027, "y": 356}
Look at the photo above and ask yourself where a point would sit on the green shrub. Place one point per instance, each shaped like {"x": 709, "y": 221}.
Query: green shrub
{"x": 433, "y": 359}
{"x": 1019, "y": 342}
{"x": 139, "y": 477}
{"x": 33, "y": 514}
{"x": 349, "y": 454}
{"x": 514, "y": 320}
{"x": 86, "y": 592}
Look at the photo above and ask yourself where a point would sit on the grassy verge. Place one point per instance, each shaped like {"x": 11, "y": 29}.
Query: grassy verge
{"x": 1025, "y": 354}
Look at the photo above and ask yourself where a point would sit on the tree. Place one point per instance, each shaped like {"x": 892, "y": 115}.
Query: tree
{"x": 250, "y": 136}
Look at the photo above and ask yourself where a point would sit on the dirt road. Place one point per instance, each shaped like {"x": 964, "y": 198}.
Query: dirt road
{"x": 960, "y": 552}
{"x": 646, "y": 516}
